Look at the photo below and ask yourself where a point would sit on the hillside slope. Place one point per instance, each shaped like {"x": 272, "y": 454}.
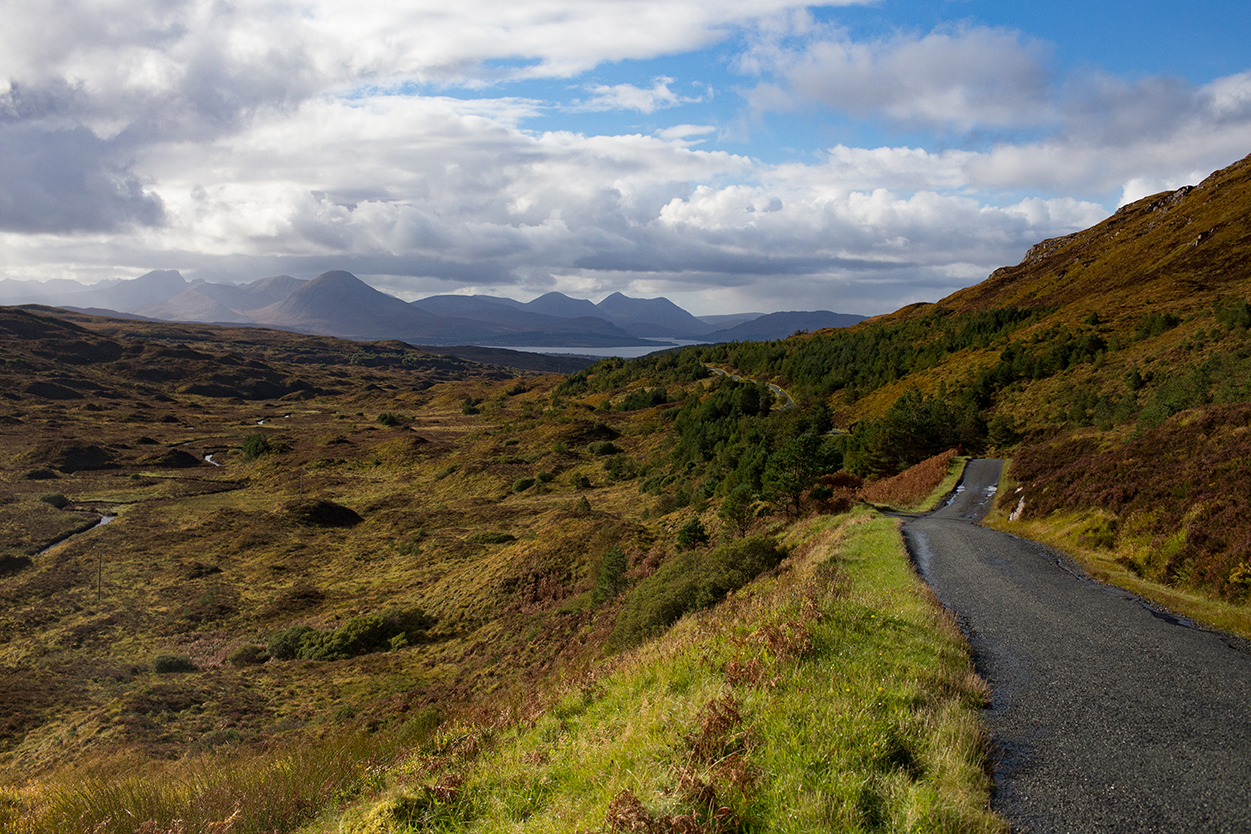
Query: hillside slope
{"x": 1105, "y": 351}
{"x": 1178, "y": 250}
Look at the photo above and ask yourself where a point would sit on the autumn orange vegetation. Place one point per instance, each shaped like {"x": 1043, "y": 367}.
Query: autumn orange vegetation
{"x": 911, "y": 486}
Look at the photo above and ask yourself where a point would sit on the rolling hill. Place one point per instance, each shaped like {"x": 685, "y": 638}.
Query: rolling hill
{"x": 779, "y": 325}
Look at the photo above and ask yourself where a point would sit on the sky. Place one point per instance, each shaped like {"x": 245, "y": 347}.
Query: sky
{"x": 731, "y": 155}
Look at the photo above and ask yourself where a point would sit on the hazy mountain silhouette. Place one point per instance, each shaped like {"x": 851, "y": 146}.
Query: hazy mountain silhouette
{"x": 781, "y": 325}
{"x": 652, "y": 317}
{"x": 337, "y": 303}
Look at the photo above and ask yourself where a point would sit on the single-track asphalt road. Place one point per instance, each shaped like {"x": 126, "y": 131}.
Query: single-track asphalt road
{"x": 1107, "y": 714}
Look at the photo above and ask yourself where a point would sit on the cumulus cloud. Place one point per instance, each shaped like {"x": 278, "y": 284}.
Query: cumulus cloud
{"x": 64, "y": 181}
{"x": 57, "y": 176}
{"x": 494, "y": 206}
{"x": 955, "y": 79}
{"x": 236, "y": 141}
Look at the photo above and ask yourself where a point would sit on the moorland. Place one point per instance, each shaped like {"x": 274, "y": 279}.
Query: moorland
{"x": 362, "y": 587}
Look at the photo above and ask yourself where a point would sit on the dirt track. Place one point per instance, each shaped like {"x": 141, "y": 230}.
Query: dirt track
{"x": 1107, "y": 714}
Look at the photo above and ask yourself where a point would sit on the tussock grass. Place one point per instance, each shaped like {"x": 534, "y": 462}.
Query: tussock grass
{"x": 236, "y": 793}
{"x": 831, "y": 694}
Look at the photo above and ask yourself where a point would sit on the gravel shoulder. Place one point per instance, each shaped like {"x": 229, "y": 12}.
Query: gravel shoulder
{"x": 1107, "y": 713}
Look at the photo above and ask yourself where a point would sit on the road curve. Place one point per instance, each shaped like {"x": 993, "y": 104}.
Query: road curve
{"x": 1107, "y": 714}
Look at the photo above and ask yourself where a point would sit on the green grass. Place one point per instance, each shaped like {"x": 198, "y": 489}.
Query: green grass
{"x": 945, "y": 486}
{"x": 830, "y": 695}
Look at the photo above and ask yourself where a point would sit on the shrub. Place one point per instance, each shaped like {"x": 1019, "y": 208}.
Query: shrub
{"x": 469, "y": 406}
{"x": 620, "y": 468}
{"x": 1153, "y": 324}
{"x": 390, "y": 419}
{"x": 647, "y": 398}
{"x": 602, "y": 448}
{"x": 366, "y": 634}
{"x": 522, "y": 484}
{"x": 256, "y": 445}
{"x": 1235, "y": 315}
{"x": 285, "y": 644}
{"x": 249, "y": 654}
{"x": 692, "y": 534}
{"x": 165, "y": 664}
{"x": 611, "y": 576}
{"x": 690, "y": 581}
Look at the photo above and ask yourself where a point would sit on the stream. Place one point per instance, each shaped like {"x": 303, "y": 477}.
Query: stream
{"x": 104, "y": 519}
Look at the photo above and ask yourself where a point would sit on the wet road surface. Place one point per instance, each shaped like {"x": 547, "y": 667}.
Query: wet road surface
{"x": 1108, "y": 715}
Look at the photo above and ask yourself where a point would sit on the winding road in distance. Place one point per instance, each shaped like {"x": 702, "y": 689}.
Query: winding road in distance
{"x": 1108, "y": 715}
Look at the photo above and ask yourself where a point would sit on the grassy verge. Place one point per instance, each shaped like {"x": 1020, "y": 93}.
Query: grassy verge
{"x": 1079, "y": 534}
{"x": 946, "y": 486}
{"x": 831, "y": 694}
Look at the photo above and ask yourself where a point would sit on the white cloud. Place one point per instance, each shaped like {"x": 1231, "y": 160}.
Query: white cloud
{"x": 957, "y": 79}
{"x": 1230, "y": 97}
{"x": 630, "y": 97}
{"x": 684, "y": 132}
{"x": 235, "y": 141}
{"x": 1090, "y": 134}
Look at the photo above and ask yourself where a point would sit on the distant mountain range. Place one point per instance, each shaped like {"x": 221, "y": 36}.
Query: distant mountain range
{"x": 339, "y": 304}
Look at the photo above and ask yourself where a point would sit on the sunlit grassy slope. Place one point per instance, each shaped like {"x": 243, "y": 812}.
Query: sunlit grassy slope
{"x": 831, "y": 695}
